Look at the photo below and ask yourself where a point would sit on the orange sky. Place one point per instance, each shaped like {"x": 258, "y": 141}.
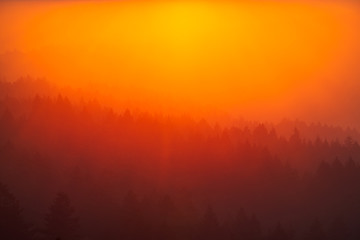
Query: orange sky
{"x": 264, "y": 60}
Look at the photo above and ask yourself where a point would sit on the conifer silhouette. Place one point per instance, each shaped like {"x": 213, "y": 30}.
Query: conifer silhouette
{"x": 12, "y": 225}
{"x": 316, "y": 231}
{"x": 60, "y": 221}
{"x": 209, "y": 226}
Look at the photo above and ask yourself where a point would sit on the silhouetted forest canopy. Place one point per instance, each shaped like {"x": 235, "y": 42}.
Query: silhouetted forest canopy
{"x": 75, "y": 169}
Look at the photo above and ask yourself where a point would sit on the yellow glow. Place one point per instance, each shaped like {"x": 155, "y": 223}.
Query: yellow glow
{"x": 185, "y": 55}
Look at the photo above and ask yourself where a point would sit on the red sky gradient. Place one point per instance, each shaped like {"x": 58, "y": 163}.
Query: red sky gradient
{"x": 262, "y": 61}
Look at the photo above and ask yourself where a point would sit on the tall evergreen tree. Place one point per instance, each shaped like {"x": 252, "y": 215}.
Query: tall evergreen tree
{"x": 254, "y": 229}
{"x": 338, "y": 230}
{"x": 12, "y": 225}
{"x": 245, "y": 227}
{"x": 167, "y": 217}
{"x": 316, "y": 231}
{"x": 60, "y": 221}
{"x": 131, "y": 219}
{"x": 279, "y": 233}
{"x": 209, "y": 226}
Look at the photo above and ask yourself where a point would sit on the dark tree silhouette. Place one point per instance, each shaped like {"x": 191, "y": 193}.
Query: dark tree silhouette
{"x": 167, "y": 218}
{"x": 278, "y": 171}
{"x": 240, "y": 228}
{"x": 131, "y": 225}
{"x": 209, "y": 227}
{"x": 279, "y": 233}
{"x": 255, "y": 232}
{"x": 12, "y": 225}
{"x": 295, "y": 139}
{"x": 245, "y": 227}
{"x": 60, "y": 221}
{"x": 338, "y": 230}
{"x": 316, "y": 231}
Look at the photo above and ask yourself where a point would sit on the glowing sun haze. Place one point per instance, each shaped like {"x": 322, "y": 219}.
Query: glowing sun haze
{"x": 263, "y": 60}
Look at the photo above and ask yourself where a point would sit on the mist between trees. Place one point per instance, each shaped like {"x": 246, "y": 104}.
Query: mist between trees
{"x": 85, "y": 171}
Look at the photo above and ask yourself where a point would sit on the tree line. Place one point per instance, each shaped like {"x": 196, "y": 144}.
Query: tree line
{"x": 146, "y": 219}
{"x": 135, "y": 175}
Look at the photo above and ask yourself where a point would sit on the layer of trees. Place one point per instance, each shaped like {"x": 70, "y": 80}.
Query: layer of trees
{"x": 158, "y": 218}
{"x": 131, "y": 175}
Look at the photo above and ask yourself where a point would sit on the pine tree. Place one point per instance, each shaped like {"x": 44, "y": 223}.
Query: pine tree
{"x": 130, "y": 221}
{"x": 209, "y": 227}
{"x": 279, "y": 233}
{"x": 167, "y": 217}
{"x": 338, "y": 230}
{"x": 12, "y": 225}
{"x": 316, "y": 232}
{"x": 60, "y": 221}
{"x": 254, "y": 229}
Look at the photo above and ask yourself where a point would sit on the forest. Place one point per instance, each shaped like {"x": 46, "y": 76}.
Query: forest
{"x": 77, "y": 169}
